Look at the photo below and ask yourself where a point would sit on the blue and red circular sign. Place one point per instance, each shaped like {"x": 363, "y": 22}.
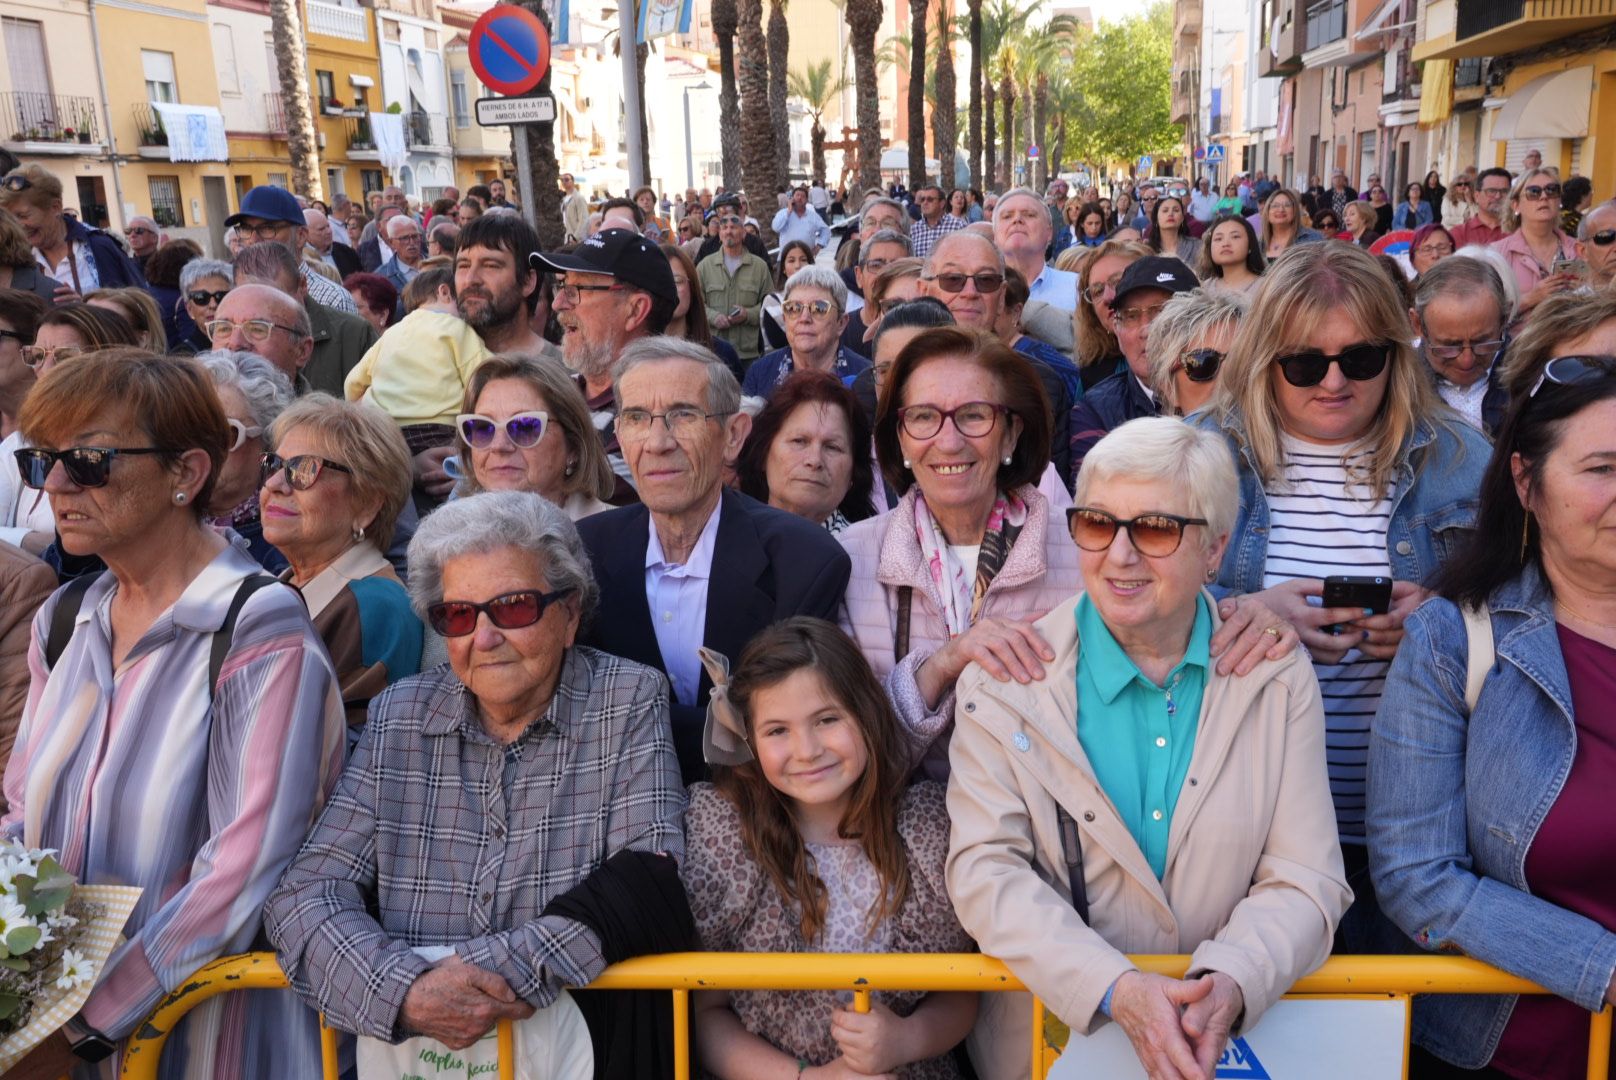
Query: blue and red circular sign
{"x": 509, "y": 49}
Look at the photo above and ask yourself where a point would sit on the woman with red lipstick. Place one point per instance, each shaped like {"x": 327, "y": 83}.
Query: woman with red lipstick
{"x": 1348, "y": 465}
{"x": 331, "y": 494}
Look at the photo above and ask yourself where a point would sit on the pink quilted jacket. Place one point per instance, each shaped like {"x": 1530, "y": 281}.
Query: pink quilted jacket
{"x": 1040, "y": 572}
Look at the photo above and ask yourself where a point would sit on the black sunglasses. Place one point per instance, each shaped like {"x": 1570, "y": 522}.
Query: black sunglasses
{"x": 1566, "y": 371}
{"x": 1156, "y": 535}
{"x": 301, "y": 471}
{"x": 1603, "y": 238}
{"x": 986, "y": 282}
{"x": 86, "y": 466}
{"x": 1539, "y": 191}
{"x": 1358, "y": 363}
{"x": 508, "y": 611}
{"x": 16, "y": 183}
{"x": 1200, "y": 365}
{"x": 202, "y": 297}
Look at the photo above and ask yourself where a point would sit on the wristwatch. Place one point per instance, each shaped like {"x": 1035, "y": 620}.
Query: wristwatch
{"x": 87, "y": 1043}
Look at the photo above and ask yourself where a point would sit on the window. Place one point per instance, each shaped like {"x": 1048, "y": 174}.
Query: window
{"x": 224, "y": 58}
{"x": 30, "y": 76}
{"x": 462, "y": 100}
{"x": 159, "y": 70}
{"x": 431, "y": 37}
{"x": 370, "y": 180}
{"x": 334, "y": 185}
{"x": 165, "y": 201}
{"x": 389, "y": 30}
{"x": 278, "y": 179}
{"x": 328, "y": 87}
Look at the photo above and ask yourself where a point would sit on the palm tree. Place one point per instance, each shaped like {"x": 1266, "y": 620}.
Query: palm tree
{"x": 944, "y": 118}
{"x": 816, "y": 88}
{"x": 974, "y": 135}
{"x": 545, "y": 198}
{"x": 757, "y": 131}
{"x": 1002, "y": 21}
{"x": 1007, "y": 99}
{"x": 779, "y": 57}
{"x": 990, "y": 141}
{"x": 917, "y": 94}
{"x": 864, "y": 22}
{"x": 1065, "y": 99}
{"x": 1047, "y": 50}
{"x": 729, "y": 107}
{"x": 286, "y": 32}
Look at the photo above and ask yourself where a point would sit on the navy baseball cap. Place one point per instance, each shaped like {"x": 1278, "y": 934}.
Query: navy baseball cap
{"x": 620, "y": 253}
{"x": 267, "y": 203}
{"x": 1156, "y": 272}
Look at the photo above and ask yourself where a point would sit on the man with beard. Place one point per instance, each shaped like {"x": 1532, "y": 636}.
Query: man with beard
{"x": 615, "y": 288}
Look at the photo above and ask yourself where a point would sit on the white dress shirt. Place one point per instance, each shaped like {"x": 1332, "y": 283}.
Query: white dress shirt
{"x": 1465, "y": 400}
{"x": 808, "y": 227}
{"x": 677, "y": 596}
{"x": 1057, "y": 288}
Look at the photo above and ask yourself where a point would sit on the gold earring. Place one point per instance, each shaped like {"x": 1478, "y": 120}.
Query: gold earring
{"x": 1526, "y": 535}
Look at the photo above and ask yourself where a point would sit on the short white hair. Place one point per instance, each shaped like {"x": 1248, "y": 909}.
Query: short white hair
{"x": 1018, "y": 192}
{"x": 818, "y": 277}
{"x": 1197, "y": 461}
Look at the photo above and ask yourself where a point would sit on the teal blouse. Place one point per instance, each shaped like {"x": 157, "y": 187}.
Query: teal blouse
{"x": 1138, "y": 736}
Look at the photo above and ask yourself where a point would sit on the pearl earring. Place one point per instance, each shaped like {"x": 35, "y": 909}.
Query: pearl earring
{"x": 906, "y": 463}
{"x": 358, "y": 533}
{"x": 1007, "y": 459}
{"x": 179, "y": 498}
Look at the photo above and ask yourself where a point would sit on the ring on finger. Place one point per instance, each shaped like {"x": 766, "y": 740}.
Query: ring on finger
{"x": 1274, "y": 630}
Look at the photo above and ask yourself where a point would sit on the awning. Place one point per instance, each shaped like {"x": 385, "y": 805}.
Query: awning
{"x": 1382, "y": 16}
{"x": 1436, "y": 92}
{"x": 1553, "y": 106}
{"x": 361, "y": 80}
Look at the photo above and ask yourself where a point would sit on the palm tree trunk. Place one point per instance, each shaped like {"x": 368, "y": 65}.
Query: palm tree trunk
{"x": 303, "y": 146}
{"x": 973, "y": 137}
{"x": 990, "y": 141}
{"x": 864, "y": 20}
{"x": 1040, "y": 123}
{"x": 779, "y": 57}
{"x": 917, "y": 94}
{"x": 944, "y": 137}
{"x": 818, "y": 137}
{"x": 1007, "y": 95}
{"x": 545, "y": 199}
{"x": 729, "y": 105}
{"x": 757, "y": 131}
{"x": 1057, "y": 146}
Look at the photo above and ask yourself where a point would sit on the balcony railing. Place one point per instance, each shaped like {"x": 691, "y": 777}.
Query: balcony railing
{"x": 1478, "y": 16}
{"x": 334, "y": 20}
{"x": 359, "y": 135}
{"x": 425, "y": 129}
{"x": 1326, "y": 22}
{"x": 1467, "y": 72}
{"x": 27, "y": 116}
{"x": 149, "y": 125}
{"x": 275, "y": 112}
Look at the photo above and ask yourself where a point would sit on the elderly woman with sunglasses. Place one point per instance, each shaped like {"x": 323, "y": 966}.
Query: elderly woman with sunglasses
{"x": 1348, "y": 465}
{"x": 332, "y": 492}
{"x": 203, "y": 285}
{"x": 1187, "y": 344}
{"x": 253, "y": 394}
{"x": 1533, "y": 243}
{"x": 526, "y": 427}
{"x": 813, "y": 310}
{"x": 554, "y": 785}
{"x": 1499, "y": 714}
{"x": 1171, "y": 807}
{"x": 183, "y": 725}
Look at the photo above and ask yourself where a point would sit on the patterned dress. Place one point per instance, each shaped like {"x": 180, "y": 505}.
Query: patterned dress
{"x": 738, "y": 909}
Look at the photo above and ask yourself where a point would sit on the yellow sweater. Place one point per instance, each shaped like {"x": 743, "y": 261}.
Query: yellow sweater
{"x": 417, "y": 372}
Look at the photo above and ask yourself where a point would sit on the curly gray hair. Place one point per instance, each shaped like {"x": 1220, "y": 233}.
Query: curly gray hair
{"x": 267, "y": 389}
{"x": 197, "y": 269}
{"x": 819, "y": 277}
{"x": 493, "y": 520}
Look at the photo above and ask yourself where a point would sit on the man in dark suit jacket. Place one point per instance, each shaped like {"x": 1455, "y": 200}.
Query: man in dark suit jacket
{"x": 694, "y": 564}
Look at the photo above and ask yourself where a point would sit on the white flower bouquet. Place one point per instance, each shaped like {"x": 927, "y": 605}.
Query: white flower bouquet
{"x": 55, "y": 935}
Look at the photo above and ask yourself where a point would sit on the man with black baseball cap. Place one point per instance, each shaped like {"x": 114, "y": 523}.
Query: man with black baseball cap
{"x": 1125, "y": 394}
{"x": 614, "y": 288}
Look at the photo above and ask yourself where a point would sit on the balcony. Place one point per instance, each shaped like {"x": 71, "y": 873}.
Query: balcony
{"x": 1183, "y": 96}
{"x": 361, "y": 143}
{"x": 335, "y": 20}
{"x": 1467, "y": 73}
{"x": 1326, "y": 24}
{"x": 1280, "y": 51}
{"x": 1186, "y": 17}
{"x": 150, "y": 136}
{"x": 1500, "y": 27}
{"x": 35, "y": 123}
{"x": 275, "y": 112}
{"x": 426, "y": 131}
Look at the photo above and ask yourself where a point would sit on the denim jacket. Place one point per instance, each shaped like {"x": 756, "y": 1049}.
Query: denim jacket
{"x": 1438, "y": 481}
{"x": 1455, "y": 801}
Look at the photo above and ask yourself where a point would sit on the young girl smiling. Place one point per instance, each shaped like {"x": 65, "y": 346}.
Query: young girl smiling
{"x": 808, "y": 840}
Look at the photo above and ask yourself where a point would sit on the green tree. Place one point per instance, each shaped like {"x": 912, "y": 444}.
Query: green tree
{"x": 1125, "y": 72}
{"x": 817, "y": 88}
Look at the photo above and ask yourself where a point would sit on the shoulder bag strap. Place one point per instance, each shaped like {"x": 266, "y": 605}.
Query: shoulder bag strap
{"x": 64, "y": 616}
{"x": 1072, "y": 851}
{"x": 222, "y": 636}
{"x": 1482, "y": 651}
{"x": 900, "y": 636}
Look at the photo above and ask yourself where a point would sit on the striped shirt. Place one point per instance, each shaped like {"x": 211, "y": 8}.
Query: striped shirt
{"x": 142, "y": 776}
{"x": 1321, "y": 524}
{"x": 924, "y": 237}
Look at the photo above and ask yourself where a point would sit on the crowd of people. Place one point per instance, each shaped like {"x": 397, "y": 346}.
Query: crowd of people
{"x": 1067, "y": 578}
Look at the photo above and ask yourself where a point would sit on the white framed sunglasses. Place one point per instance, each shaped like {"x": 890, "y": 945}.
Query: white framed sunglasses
{"x": 525, "y": 429}
{"x": 240, "y": 433}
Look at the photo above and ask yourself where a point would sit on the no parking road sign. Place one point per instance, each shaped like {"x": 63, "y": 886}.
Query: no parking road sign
{"x": 509, "y": 49}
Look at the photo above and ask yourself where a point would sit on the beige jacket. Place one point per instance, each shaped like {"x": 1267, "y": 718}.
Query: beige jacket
{"x": 1254, "y": 884}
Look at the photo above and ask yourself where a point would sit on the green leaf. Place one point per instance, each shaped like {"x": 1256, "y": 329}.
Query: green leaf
{"x": 22, "y": 939}
{"x": 47, "y": 890}
{"x": 9, "y": 1004}
{"x": 16, "y": 964}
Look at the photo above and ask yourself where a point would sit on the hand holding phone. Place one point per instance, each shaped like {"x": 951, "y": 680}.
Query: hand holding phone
{"x": 1371, "y": 594}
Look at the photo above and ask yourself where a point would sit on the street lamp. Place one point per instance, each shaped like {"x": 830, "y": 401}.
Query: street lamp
{"x": 690, "y": 160}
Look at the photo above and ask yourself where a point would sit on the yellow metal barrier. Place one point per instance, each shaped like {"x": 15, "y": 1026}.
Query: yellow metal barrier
{"x": 861, "y": 974}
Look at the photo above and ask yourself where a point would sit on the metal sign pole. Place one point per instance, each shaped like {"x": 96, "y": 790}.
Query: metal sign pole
{"x": 524, "y": 174}
{"x": 626, "y": 38}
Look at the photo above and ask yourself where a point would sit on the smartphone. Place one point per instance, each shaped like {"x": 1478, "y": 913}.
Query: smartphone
{"x": 1365, "y": 593}
{"x": 736, "y": 312}
{"x": 451, "y": 468}
{"x": 1569, "y": 266}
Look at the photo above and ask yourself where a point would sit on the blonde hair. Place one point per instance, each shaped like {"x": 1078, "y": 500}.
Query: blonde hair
{"x": 1302, "y": 291}
{"x": 366, "y": 440}
{"x": 1186, "y": 318}
{"x": 1364, "y": 209}
{"x": 136, "y": 305}
{"x": 42, "y": 190}
{"x": 1095, "y": 341}
{"x": 569, "y": 412}
{"x": 1511, "y": 220}
{"x": 1266, "y": 233}
{"x": 1072, "y": 259}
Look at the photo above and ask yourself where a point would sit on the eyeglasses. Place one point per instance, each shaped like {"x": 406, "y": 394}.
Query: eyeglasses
{"x": 791, "y": 309}
{"x": 1563, "y": 371}
{"x": 1482, "y": 350}
{"x": 681, "y": 421}
{"x": 139, "y": 230}
{"x": 240, "y": 433}
{"x": 16, "y": 183}
{"x": 301, "y": 471}
{"x": 204, "y": 297}
{"x": 729, "y": 219}
{"x": 508, "y": 611}
{"x": 264, "y": 230}
{"x": 86, "y": 466}
{"x": 256, "y": 331}
{"x": 1541, "y": 191}
{"x": 972, "y": 419}
{"x": 1603, "y": 238}
{"x": 1097, "y": 289}
{"x": 34, "y": 355}
{"x": 1136, "y": 315}
{"x": 1494, "y": 190}
{"x": 986, "y": 282}
{"x": 874, "y": 265}
{"x": 572, "y": 292}
{"x": 1461, "y": 183}
{"x": 884, "y": 306}
{"x": 1438, "y": 250}
{"x": 1358, "y": 363}
{"x": 1155, "y": 535}
{"x": 525, "y": 429}
{"x": 1200, "y": 365}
